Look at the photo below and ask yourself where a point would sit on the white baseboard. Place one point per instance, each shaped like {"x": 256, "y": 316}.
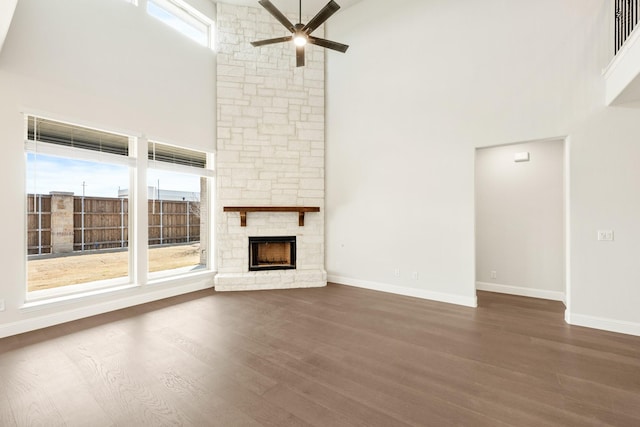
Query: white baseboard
{"x": 92, "y": 309}
{"x": 605, "y": 324}
{"x": 523, "y": 292}
{"x": 410, "y": 292}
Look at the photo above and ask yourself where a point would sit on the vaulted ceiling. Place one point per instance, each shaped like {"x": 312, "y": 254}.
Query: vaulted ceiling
{"x": 309, "y": 7}
{"x": 6, "y": 15}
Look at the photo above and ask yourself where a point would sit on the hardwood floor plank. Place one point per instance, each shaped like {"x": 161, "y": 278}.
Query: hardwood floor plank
{"x": 609, "y": 398}
{"x": 578, "y": 422}
{"x": 214, "y": 410}
{"x": 168, "y": 377}
{"x": 43, "y": 393}
{"x": 389, "y": 396}
{"x": 239, "y": 347}
{"x": 328, "y": 356}
{"x": 123, "y": 394}
{"x": 342, "y": 401}
{"x": 367, "y": 376}
{"x": 304, "y": 407}
{"x": 226, "y": 377}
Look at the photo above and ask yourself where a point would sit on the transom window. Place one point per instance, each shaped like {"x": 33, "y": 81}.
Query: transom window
{"x": 183, "y": 18}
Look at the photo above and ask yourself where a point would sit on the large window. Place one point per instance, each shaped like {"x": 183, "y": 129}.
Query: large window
{"x": 77, "y": 226}
{"x": 178, "y": 215}
{"x": 78, "y": 198}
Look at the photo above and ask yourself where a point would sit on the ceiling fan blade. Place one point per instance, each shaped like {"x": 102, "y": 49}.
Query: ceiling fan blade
{"x": 328, "y": 44}
{"x": 299, "y": 56}
{"x": 272, "y": 41}
{"x": 277, "y": 14}
{"x": 331, "y": 8}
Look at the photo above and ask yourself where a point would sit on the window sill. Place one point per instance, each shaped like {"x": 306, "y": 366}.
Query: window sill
{"x": 153, "y": 286}
{"x": 172, "y": 276}
{"x": 73, "y": 297}
{"x": 71, "y": 291}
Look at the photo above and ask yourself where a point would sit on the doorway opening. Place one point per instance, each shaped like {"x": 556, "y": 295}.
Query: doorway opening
{"x": 521, "y": 219}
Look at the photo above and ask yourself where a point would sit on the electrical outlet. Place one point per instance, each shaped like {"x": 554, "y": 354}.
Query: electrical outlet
{"x": 1, "y": 305}
{"x": 396, "y": 272}
{"x": 414, "y": 275}
{"x": 605, "y": 235}
{"x": 493, "y": 274}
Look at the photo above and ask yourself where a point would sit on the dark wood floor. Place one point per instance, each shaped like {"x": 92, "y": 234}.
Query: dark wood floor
{"x": 335, "y": 356}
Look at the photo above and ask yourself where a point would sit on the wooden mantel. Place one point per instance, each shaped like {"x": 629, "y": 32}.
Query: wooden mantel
{"x": 244, "y": 209}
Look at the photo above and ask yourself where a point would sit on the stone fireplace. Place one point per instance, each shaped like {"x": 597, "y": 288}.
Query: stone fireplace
{"x": 270, "y": 152}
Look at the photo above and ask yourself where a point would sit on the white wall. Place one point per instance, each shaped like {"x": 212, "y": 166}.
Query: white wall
{"x": 104, "y": 63}
{"x": 604, "y": 288}
{"x": 520, "y": 220}
{"x": 422, "y": 86}
{"x": 107, "y": 61}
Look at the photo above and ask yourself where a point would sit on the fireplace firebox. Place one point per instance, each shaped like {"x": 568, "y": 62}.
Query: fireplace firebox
{"x": 272, "y": 253}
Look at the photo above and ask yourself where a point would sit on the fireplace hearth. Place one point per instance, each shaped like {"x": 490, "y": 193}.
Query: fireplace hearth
{"x": 272, "y": 253}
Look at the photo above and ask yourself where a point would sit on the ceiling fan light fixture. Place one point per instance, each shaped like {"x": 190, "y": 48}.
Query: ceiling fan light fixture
{"x": 301, "y": 33}
{"x": 300, "y": 40}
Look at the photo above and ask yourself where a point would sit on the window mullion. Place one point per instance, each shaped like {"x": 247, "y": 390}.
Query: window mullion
{"x": 75, "y": 153}
{"x": 139, "y": 220}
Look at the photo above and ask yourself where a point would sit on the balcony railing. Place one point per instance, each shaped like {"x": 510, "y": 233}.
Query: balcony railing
{"x": 626, "y": 15}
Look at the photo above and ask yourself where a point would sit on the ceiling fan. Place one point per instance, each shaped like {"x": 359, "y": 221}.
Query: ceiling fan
{"x": 301, "y": 33}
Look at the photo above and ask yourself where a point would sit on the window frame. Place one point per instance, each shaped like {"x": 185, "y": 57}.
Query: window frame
{"x": 75, "y": 153}
{"x": 138, "y": 164}
{"x": 207, "y": 172}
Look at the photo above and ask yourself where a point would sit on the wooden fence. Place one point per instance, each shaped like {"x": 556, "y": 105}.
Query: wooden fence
{"x": 102, "y": 223}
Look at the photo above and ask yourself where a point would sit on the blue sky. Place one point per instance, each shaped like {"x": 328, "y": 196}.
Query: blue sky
{"x": 49, "y": 173}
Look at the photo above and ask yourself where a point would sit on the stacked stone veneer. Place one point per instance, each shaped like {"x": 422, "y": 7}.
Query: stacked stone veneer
{"x": 270, "y": 149}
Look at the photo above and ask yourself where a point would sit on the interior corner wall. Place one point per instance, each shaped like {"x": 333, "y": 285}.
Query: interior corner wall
{"x": 520, "y": 220}
{"x": 100, "y": 63}
{"x": 404, "y": 120}
{"x": 6, "y": 15}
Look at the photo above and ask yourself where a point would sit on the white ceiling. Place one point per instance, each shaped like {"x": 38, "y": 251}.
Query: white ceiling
{"x": 6, "y": 14}
{"x": 309, "y": 7}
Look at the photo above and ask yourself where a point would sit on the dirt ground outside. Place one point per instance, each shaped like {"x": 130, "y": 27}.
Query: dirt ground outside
{"x": 50, "y": 273}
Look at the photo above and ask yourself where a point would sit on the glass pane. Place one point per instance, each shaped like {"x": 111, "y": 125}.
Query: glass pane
{"x": 77, "y": 226}
{"x": 52, "y": 132}
{"x": 176, "y": 155}
{"x": 177, "y": 222}
{"x": 180, "y": 20}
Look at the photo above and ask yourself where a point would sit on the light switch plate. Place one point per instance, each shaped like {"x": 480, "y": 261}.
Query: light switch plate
{"x": 1, "y": 305}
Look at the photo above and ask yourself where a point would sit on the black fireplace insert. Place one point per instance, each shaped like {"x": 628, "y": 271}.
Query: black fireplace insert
{"x": 272, "y": 253}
